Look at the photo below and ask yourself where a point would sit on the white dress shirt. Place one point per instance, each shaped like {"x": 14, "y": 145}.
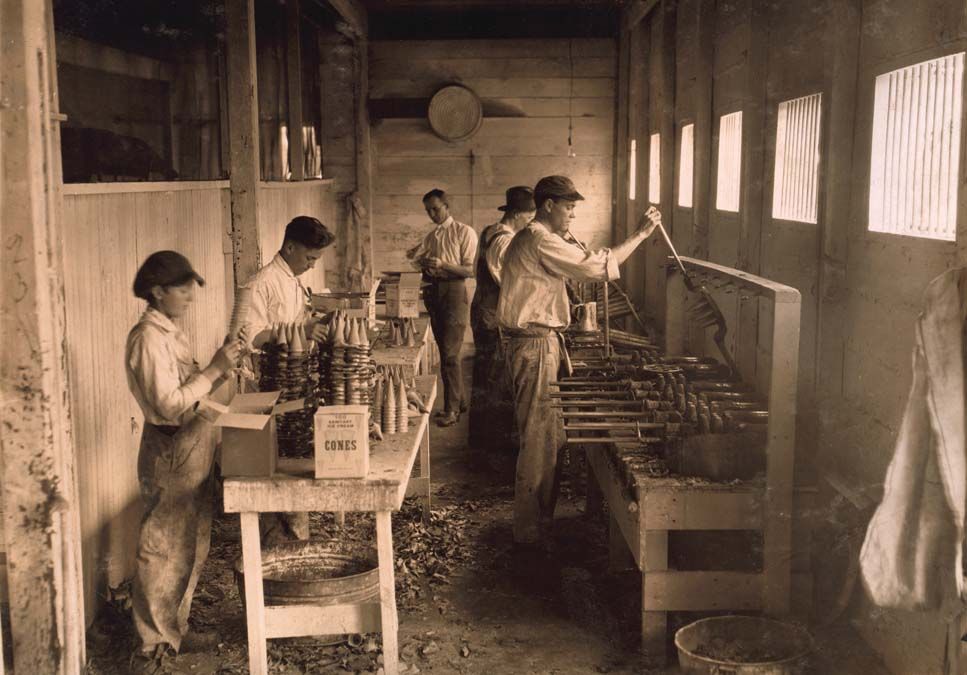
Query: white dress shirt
{"x": 277, "y": 297}
{"x": 162, "y": 375}
{"x": 535, "y": 265}
{"x": 450, "y": 241}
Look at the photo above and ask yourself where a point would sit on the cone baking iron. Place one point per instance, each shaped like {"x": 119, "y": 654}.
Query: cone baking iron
{"x": 705, "y": 311}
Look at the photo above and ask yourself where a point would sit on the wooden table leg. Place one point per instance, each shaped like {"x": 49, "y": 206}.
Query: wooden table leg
{"x": 654, "y": 618}
{"x": 387, "y": 592}
{"x": 425, "y": 472}
{"x": 254, "y": 599}
{"x": 619, "y": 555}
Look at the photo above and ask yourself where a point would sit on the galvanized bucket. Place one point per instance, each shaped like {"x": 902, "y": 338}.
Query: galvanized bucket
{"x": 743, "y": 645}
{"x": 316, "y": 572}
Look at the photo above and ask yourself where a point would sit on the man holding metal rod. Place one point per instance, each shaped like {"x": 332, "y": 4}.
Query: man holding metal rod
{"x": 532, "y": 310}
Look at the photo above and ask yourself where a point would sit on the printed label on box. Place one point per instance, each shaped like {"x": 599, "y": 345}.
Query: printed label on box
{"x": 342, "y": 441}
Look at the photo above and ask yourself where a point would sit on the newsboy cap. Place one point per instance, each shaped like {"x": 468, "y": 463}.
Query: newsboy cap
{"x": 557, "y": 186}
{"x": 163, "y": 268}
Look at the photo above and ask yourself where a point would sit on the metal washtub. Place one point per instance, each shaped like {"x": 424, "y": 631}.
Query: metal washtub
{"x": 743, "y": 645}
{"x": 316, "y": 572}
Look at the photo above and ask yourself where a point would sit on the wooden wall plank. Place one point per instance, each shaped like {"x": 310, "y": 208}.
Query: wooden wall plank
{"x": 110, "y": 236}
{"x": 492, "y": 49}
{"x": 495, "y": 87}
{"x": 521, "y": 137}
{"x": 277, "y": 206}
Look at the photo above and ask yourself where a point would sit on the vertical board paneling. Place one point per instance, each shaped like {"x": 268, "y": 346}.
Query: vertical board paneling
{"x": 279, "y": 205}
{"x": 107, "y": 237}
{"x": 562, "y": 94}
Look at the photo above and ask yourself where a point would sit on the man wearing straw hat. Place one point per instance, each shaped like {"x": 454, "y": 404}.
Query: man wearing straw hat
{"x": 491, "y": 415}
{"x": 278, "y": 296}
{"x": 532, "y": 310}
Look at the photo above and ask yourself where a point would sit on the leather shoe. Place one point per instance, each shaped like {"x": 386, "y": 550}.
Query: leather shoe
{"x": 448, "y": 420}
{"x": 199, "y": 641}
{"x": 154, "y": 662}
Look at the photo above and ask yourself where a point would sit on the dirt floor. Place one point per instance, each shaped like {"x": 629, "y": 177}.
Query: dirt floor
{"x": 468, "y": 603}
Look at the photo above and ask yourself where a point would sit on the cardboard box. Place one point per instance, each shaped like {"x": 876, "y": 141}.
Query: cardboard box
{"x": 247, "y": 423}
{"x": 403, "y": 296}
{"x": 342, "y": 441}
{"x": 355, "y": 304}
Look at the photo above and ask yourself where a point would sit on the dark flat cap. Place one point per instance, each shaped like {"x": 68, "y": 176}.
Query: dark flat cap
{"x": 519, "y": 198}
{"x": 163, "y": 268}
{"x": 557, "y": 186}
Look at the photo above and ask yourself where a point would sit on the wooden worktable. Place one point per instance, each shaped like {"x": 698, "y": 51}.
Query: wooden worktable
{"x": 416, "y": 360}
{"x": 381, "y": 492}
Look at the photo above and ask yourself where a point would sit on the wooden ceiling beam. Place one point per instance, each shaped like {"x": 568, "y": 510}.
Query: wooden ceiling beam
{"x": 353, "y": 13}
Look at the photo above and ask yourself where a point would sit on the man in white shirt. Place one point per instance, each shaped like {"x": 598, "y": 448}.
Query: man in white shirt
{"x": 279, "y": 297}
{"x": 532, "y": 310}
{"x": 491, "y": 413}
{"x": 447, "y": 255}
{"x": 175, "y": 460}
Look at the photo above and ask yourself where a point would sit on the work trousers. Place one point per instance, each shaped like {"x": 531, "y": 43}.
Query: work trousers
{"x": 176, "y": 479}
{"x": 491, "y": 426}
{"x": 446, "y": 302}
{"x": 533, "y": 363}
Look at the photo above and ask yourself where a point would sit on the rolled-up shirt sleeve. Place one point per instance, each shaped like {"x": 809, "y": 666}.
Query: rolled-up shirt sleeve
{"x": 468, "y": 247}
{"x": 157, "y": 377}
{"x": 567, "y": 260}
{"x": 495, "y": 254}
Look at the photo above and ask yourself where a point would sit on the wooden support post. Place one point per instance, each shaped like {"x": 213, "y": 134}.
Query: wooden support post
{"x": 656, "y": 251}
{"x": 639, "y": 127}
{"x": 243, "y": 136}
{"x": 254, "y": 594}
{"x": 293, "y": 69}
{"x": 353, "y": 13}
{"x": 41, "y": 524}
{"x": 387, "y": 592}
{"x": 705, "y": 63}
{"x": 425, "y": 496}
{"x": 636, "y": 11}
{"x": 839, "y": 108}
{"x": 654, "y": 622}
{"x": 620, "y": 558}
{"x": 364, "y": 160}
{"x": 619, "y": 206}
{"x": 780, "y": 459}
{"x": 751, "y": 218}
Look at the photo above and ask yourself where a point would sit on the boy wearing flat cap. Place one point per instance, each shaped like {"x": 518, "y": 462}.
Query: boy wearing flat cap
{"x": 175, "y": 459}
{"x": 532, "y": 310}
{"x": 491, "y": 416}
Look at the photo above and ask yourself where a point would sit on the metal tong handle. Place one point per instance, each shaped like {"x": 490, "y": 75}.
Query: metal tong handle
{"x": 671, "y": 247}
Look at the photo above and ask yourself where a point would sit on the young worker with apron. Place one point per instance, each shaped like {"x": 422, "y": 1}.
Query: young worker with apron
{"x": 175, "y": 460}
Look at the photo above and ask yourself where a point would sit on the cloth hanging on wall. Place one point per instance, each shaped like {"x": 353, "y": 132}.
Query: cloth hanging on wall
{"x": 912, "y": 556}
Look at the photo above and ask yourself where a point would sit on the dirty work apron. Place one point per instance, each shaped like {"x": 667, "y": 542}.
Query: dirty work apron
{"x": 491, "y": 410}
{"x": 175, "y": 475}
{"x": 533, "y": 359}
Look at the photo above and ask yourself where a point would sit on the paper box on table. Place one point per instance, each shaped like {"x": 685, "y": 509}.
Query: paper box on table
{"x": 353, "y": 304}
{"x": 342, "y": 441}
{"x": 249, "y": 445}
{"x": 403, "y": 297}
